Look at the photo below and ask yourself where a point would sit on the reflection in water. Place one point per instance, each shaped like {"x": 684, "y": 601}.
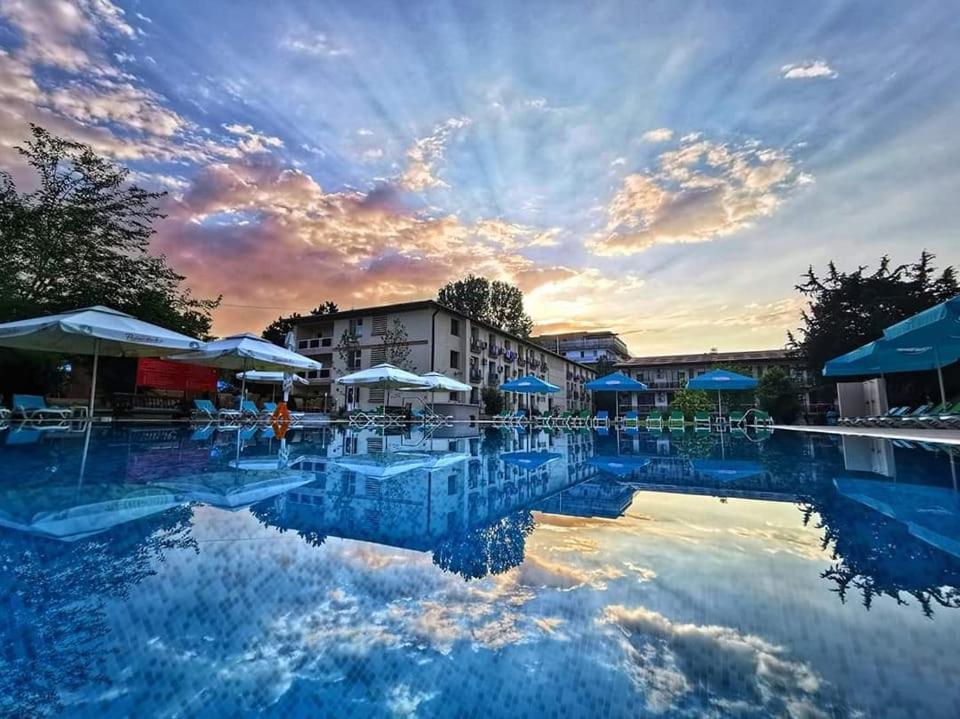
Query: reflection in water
{"x": 527, "y": 519}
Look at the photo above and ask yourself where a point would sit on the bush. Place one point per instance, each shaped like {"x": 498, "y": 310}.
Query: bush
{"x": 690, "y": 401}
{"x": 492, "y": 400}
{"x": 779, "y": 395}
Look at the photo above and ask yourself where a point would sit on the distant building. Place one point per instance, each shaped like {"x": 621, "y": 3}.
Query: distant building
{"x": 440, "y": 339}
{"x": 667, "y": 374}
{"x": 586, "y": 347}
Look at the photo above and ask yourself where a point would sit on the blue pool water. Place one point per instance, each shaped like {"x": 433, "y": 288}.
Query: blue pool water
{"x": 168, "y": 571}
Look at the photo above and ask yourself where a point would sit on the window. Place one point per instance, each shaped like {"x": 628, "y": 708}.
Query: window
{"x": 378, "y": 355}
{"x": 452, "y": 484}
{"x": 353, "y": 359}
{"x": 378, "y": 326}
{"x": 454, "y": 359}
{"x": 376, "y": 396}
{"x": 454, "y": 396}
{"x": 356, "y": 326}
{"x": 455, "y": 326}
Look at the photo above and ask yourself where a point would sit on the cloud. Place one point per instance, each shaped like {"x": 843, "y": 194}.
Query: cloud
{"x": 315, "y": 44}
{"x": 731, "y": 671}
{"x": 807, "y": 70}
{"x": 64, "y": 34}
{"x": 700, "y": 191}
{"x": 252, "y": 142}
{"x": 264, "y": 234}
{"x": 661, "y": 134}
{"x": 426, "y": 153}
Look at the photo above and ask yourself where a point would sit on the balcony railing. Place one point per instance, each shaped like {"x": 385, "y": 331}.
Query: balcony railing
{"x": 477, "y": 345}
{"x": 476, "y": 375}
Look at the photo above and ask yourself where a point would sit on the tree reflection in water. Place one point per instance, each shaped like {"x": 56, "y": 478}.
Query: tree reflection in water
{"x": 877, "y": 556}
{"x": 53, "y": 597}
{"x": 285, "y": 516}
{"x": 489, "y": 549}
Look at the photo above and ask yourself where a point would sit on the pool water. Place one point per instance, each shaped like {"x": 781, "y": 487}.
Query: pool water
{"x": 474, "y": 572}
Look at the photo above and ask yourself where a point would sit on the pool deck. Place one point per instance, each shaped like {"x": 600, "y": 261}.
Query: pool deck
{"x": 941, "y": 436}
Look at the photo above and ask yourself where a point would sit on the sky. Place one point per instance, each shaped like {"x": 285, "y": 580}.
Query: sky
{"x": 667, "y": 170}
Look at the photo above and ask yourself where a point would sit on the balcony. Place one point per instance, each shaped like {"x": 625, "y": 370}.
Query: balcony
{"x": 495, "y": 350}
{"x": 477, "y": 345}
{"x": 475, "y": 375}
{"x": 493, "y": 379}
{"x": 315, "y": 345}
{"x": 509, "y": 356}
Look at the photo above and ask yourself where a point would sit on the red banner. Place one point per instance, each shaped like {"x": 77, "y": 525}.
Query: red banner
{"x": 164, "y": 374}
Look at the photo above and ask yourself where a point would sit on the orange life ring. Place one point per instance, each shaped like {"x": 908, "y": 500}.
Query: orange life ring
{"x": 280, "y": 420}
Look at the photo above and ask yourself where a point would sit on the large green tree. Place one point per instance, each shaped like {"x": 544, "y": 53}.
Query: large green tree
{"x": 849, "y": 309}
{"x": 497, "y": 303}
{"x": 779, "y": 395}
{"x": 82, "y": 237}
{"x": 276, "y": 331}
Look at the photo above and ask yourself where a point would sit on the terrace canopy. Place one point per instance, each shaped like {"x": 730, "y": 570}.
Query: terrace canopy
{"x": 722, "y": 380}
{"x": 529, "y": 460}
{"x": 438, "y": 382}
{"x": 927, "y": 341}
{"x": 98, "y": 331}
{"x": 616, "y": 382}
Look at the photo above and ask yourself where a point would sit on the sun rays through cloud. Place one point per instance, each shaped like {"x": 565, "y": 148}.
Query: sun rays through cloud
{"x": 623, "y": 165}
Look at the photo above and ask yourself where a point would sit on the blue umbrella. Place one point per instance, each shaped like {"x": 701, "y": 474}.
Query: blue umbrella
{"x": 529, "y": 460}
{"x": 727, "y": 470}
{"x": 720, "y": 380}
{"x": 929, "y": 340}
{"x": 616, "y": 382}
{"x": 528, "y": 384}
{"x": 619, "y": 465}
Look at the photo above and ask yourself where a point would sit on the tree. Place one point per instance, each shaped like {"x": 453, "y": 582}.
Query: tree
{"x": 348, "y": 344}
{"x": 849, "y": 309}
{"x": 277, "y": 330}
{"x": 492, "y": 400}
{"x": 690, "y": 401}
{"x": 396, "y": 345}
{"x": 779, "y": 395}
{"x": 603, "y": 366}
{"x": 494, "y": 302}
{"x": 82, "y": 238}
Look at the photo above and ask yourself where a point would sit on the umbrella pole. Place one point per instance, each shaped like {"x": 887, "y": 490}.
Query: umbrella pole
{"x": 719, "y": 411}
{"x": 943, "y": 394}
{"x": 93, "y": 379}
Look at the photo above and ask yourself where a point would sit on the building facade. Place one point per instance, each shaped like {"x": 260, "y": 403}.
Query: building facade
{"x": 667, "y": 374}
{"x": 438, "y": 339}
{"x": 586, "y": 347}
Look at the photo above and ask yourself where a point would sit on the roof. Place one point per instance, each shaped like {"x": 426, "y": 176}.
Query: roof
{"x": 776, "y": 355}
{"x": 400, "y": 307}
{"x": 587, "y": 334}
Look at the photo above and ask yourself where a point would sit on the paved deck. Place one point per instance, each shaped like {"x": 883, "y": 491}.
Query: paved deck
{"x": 941, "y": 436}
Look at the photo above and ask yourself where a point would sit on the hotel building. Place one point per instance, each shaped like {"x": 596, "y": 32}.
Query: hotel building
{"x": 440, "y": 339}
{"x": 667, "y": 374}
{"x": 586, "y": 347}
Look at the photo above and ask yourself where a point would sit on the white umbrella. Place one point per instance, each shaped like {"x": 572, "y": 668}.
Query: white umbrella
{"x": 269, "y": 377}
{"x": 385, "y": 377}
{"x": 247, "y": 352}
{"x": 95, "y": 331}
{"x": 438, "y": 381}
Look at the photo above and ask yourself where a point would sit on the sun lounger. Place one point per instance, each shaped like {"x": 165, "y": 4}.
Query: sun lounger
{"x": 676, "y": 420}
{"x": 248, "y": 408}
{"x": 32, "y": 406}
{"x": 631, "y": 420}
{"x": 206, "y": 408}
{"x": 701, "y": 420}
{"x": 654, "y": 420}
{"x": 602, "y": 419}
{"x": 735, "y": 418}
{"x": 903, "y": 419}
{"x": 870, "y": 419}
{"x": 950, "y": 417}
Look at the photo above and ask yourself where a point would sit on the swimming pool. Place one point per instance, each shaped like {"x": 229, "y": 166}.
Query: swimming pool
{"x": 470, "y": 572}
